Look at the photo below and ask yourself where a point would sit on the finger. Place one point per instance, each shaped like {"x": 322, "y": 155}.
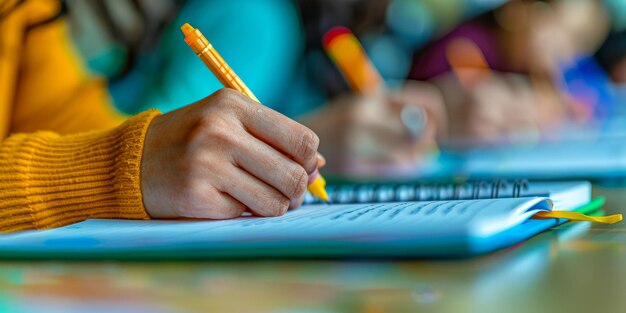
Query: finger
{"x": 383, "y": 118}
{"x": 281, "y": 132}
{"x": 272, "y": 167}
{"x": 222, "y": 206}
{"x": 260, "y": 198}
{"x": 296, "y": 203}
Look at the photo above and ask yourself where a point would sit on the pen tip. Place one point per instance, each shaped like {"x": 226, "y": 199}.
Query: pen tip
{"x": 333, "y": 33}
{"x": 317, "y": 188}
{"x": 186, "y": 28}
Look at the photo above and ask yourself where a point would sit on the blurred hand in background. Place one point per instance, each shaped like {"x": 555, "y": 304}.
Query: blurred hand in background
{"x": 497, "y": 108}
{"x": 359, "y": 133}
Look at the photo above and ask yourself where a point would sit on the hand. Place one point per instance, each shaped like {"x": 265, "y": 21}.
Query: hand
{"x": 495, "y": 108}
{"x": 361, "y": 133}
{"x": 223, "y": 155}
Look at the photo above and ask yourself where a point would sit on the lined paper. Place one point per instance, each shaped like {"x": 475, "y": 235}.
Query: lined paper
{"x": 362, "y": 223}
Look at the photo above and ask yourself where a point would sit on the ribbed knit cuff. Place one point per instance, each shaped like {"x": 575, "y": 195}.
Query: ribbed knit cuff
{"x": 48, "y": 180}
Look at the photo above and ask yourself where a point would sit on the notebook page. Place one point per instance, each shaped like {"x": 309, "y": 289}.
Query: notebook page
{"x": 353, "y": 223}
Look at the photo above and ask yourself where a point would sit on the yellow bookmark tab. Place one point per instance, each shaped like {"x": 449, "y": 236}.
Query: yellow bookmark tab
{"x": 575, "y": 216}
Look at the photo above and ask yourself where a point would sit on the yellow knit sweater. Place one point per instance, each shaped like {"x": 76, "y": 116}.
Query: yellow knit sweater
{"x": 65, "y": 154}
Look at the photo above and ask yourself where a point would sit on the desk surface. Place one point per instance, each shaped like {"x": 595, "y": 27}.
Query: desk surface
{"x": 575, "y": 267}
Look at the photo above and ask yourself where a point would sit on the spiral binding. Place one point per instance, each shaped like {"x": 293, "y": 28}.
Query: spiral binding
{"x": 390, "y": 192}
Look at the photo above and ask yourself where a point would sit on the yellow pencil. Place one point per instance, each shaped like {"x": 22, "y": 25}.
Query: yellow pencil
{"x": 214, "y": 61}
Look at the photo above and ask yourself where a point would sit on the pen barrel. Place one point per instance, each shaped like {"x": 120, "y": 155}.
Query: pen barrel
{"x": 346, "y": 52}
{"x": 224, "y": 73}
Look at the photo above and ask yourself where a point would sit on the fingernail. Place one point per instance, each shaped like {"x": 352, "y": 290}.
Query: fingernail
{"x": 321, "y": 161}
{"x": 312, "y": 176}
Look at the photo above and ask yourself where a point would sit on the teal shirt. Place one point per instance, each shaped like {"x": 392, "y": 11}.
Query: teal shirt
{"x": 261, "y": 40}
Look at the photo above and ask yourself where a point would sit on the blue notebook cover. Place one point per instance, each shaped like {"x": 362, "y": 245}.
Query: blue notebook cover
{"x": 428, "y": 229}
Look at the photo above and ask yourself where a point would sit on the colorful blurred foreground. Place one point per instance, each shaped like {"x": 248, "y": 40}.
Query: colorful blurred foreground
{"x": 577, "y": 261}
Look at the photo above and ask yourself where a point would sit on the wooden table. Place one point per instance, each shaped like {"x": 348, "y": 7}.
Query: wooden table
{"x": 575, "y": 267}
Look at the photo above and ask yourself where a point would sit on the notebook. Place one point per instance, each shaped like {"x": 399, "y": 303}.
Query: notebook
{"x": 599, "y": 159}
{"x": 587, "y": 159}
{"x": 404, "y": 229}
{"x": 565, "y": 195}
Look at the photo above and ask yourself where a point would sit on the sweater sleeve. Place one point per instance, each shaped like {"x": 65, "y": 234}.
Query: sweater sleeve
{"x": 49, "y": 180}
{"x": 55, "y": 90}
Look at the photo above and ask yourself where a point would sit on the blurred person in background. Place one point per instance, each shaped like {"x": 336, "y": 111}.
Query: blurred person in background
{"x": 541, "y": 74}
{"x": 276, "y": 47}
{"x": 536, "y": 50}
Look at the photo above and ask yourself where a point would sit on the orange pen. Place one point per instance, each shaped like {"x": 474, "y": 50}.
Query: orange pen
{"x": 214, "y": 61}
{"x": 345, "y": 50}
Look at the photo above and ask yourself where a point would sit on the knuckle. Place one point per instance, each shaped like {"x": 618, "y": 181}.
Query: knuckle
{"x": 297, "y": 181}
{"x": 275, "y": 205}
{"x": 306, "y": 145}
{"x": 282, "y": 205}
{"x": 224, "y": 94}
{"x": 232, "y": 100}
